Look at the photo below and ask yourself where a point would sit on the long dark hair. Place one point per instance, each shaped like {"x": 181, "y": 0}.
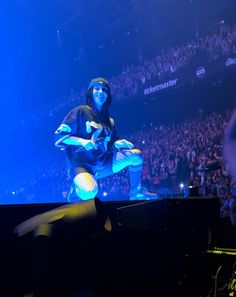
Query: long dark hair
{"x": 104, "y": 114}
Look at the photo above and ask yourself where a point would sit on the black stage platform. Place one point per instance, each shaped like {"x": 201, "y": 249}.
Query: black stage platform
{"x": 149, "y": 248}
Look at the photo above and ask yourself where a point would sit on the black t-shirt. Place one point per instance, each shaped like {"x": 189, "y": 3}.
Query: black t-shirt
{"x": 84, "y": 123}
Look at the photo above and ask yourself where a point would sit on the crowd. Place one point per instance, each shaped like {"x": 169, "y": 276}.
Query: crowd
{"x": 127, "y": 84}
{"x": 180, "y": 157}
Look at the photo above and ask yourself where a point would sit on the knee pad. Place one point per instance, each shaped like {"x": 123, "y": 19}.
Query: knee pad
{"x": 86, "y": 194}
{"x": 137, "y": 158}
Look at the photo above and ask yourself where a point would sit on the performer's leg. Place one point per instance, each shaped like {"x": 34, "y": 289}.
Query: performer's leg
{"x": 121, "y": 160}
{"x": 86, "y": 186}
{"x": 125, "y": 158}
{"x": 133, "y": 159}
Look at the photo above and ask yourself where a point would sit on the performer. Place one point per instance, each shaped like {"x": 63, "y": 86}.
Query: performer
{"x": 89, "y": 137}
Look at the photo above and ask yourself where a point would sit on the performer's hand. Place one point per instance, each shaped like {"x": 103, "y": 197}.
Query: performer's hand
{"x": 123, "y": 143}
{"x": 88, "y": 144}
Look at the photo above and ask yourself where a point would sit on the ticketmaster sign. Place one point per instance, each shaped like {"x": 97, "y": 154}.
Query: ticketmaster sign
{"x": 159, "y": 87}
{"x": 191, "y": 74}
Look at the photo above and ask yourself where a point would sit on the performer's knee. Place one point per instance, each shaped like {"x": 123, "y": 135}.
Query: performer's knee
{"x": 137, "y": 158}
{"x": 86, "y": 186}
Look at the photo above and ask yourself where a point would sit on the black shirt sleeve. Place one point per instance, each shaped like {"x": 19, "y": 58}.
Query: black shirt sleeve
{"x": 67, "y": 128}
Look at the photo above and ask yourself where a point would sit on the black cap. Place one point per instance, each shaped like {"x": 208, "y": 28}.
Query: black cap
{"x": 99, "y": 80}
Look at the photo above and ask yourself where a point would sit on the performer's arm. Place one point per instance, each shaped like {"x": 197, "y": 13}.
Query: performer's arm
{"x": 88, "y": 144}
{"x": 64, "y": 138}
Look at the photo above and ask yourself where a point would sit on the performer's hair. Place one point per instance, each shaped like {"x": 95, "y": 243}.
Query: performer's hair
{"x": 105, "y": 113}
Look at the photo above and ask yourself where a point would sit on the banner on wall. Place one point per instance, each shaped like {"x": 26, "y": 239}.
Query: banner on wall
{"x": 192, "y": 73}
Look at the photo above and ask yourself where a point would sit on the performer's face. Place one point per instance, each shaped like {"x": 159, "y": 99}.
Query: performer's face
{"x": 100, "y": 93}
